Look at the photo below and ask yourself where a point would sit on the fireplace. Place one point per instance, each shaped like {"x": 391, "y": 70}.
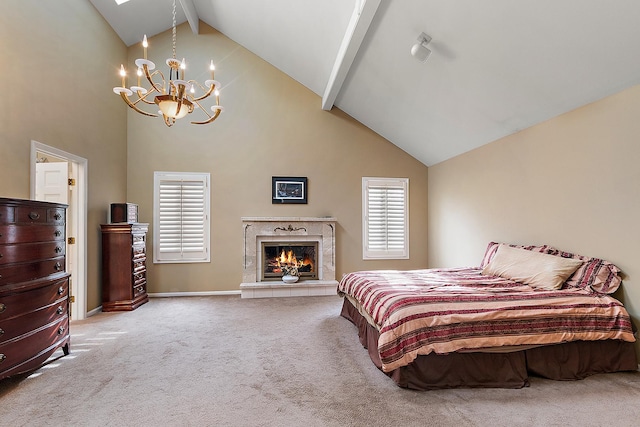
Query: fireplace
{"x": 310, "y": 240}
{"x": 275, "y": 255}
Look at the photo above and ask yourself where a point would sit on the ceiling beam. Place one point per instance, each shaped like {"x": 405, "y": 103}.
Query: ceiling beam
{"x": 363, "y": 14}
{"x": 192, "y": 15}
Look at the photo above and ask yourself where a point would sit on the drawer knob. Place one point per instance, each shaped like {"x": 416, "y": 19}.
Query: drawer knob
{"x": 1, "y": 255}
{"x": 34, "y": 215}
{"x": 2, "y": 357}
{"x": 57, "y": 215}
{"x": 58, "y": 249}
{"x": 60, "y": 290}
{"x": 1, "y": 331}
{"x": 61, "y": 330}
{"x": 57, "y": 266}
{"x": 60, "y": 310}
{"x": 2, "y": 307}
{"x": 57, "y": 233}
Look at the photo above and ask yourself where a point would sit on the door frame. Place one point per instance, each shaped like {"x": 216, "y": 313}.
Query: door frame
{"x": 78, "y": 202}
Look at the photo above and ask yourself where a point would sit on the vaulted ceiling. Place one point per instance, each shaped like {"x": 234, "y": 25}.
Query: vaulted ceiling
{"x": 496, "y": 67}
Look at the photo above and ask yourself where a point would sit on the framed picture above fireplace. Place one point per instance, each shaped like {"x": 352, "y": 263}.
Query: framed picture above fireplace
{"x": 287, "y": 189}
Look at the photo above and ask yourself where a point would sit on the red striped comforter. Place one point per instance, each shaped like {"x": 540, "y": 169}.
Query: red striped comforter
{"x": 446, "y": 310}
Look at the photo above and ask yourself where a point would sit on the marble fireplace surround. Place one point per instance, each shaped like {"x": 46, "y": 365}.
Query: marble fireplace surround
{"x": 257, "y": 230}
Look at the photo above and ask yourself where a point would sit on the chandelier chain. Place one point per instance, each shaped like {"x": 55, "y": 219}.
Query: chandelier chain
{"x": 174, "y": 29}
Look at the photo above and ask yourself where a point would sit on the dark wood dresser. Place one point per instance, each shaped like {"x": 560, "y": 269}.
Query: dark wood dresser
{"x": 34, "y": 284}
{"x": 124, "y": 266}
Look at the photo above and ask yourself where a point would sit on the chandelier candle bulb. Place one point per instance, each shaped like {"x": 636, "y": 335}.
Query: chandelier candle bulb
{"x": 212, "y": 68}
{"x": 123, "y": 74}
{"x": 145, "y": 45}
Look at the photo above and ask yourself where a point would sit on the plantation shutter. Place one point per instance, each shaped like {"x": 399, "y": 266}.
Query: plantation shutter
{"x": 181, "y": 229}
{"x": 385, "y": 222}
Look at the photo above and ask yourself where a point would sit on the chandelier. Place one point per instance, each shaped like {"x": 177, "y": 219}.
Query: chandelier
{"x": 175, "y": 97}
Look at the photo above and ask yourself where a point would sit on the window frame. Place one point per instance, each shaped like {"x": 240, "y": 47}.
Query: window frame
{"x": 368, "y": 253}
{"x": 182, "y": 256}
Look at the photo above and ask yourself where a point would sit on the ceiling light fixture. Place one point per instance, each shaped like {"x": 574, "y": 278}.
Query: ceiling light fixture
{"x": 420, "y": 50}
{"x": 176, "y": 97}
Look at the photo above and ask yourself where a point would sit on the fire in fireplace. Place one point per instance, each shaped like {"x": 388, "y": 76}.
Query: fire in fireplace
{"x": 275, "y": 255}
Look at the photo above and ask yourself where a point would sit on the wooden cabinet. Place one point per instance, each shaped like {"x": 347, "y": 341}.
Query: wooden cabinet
{"x": 124, "y": 266}
{"x": 34, "y": 284}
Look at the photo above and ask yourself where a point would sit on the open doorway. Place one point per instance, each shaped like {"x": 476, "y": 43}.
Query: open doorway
{"x": 51, "y": 170}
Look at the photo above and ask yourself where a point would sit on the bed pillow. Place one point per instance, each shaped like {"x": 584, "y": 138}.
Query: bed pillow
{"x": 535, "y": 269}
{"x": 596, "y": 274}
{"x": 492, "y": 248}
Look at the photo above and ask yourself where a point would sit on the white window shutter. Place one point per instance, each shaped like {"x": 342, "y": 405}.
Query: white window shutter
{"x": 385, "y": 218}
{"x": 181, "y": 217}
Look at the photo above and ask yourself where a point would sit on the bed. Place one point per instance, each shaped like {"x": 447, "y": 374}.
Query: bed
{"x": 526, "y": 310}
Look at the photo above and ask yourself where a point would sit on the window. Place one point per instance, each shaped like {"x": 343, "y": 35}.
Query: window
{"x": 181, "y": 217}
{"x": 385, "y": 211}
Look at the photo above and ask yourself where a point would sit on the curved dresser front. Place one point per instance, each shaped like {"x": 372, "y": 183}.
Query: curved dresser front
{"x": 34, "y": 284}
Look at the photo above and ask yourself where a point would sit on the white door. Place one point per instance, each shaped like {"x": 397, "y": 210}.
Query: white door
{"x": 52, "y": 182}
{"x": 52, "y": 185}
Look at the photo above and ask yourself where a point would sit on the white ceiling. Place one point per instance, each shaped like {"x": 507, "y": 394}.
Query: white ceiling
{"x": 497, "y": 66}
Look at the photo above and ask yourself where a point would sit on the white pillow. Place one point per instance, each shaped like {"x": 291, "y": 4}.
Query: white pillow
{"x": 532, "y": 268}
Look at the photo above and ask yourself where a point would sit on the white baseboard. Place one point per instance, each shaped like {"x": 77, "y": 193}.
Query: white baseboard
{"x": 174, "y": 294}
{"x": 192, "y": 294}
{"x": 94, "y": 311}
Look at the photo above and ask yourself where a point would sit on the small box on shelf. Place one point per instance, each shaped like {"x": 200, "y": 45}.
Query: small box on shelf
{"x": 124, "y": 212}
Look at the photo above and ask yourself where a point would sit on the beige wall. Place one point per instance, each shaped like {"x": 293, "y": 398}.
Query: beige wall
{"x": 572, "y": 182}
{"x": 59, "y": 64}
{"x": 272, "y": 126}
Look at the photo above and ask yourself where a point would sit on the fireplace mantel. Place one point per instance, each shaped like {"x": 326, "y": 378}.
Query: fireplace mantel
{"x": 257, "y": 230}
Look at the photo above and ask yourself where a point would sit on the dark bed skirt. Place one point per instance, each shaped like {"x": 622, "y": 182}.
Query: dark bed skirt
{"x": 568, "y": 361}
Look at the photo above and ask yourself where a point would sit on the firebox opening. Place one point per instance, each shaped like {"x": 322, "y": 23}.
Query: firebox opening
{"x": 300, "y": 254}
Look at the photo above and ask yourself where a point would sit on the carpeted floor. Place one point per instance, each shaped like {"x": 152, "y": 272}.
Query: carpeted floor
{"x": 224, "y": 361}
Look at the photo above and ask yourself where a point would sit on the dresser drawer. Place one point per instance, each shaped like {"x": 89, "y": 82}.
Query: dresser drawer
{"x": 139, "y": 278}
{"x": 56, "y": 216}
{"x": 17, "y": 351}
{"x": 30, "y": 251}
{"x": 28, "y": 214}
{"x": 140, "y": 289}
{"x": 139, "y": 266}
{"x": 31, "y": 233}
{"x": 6, "y": 214}
{"x": 12, "y": 328}
{"x": 139, "y": 253}
{"x": 20, "y": 303}
{"x": 138, "y": 239}
{"x": 26, "y": 271}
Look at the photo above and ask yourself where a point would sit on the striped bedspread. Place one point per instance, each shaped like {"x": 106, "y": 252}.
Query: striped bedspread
{"x": 446, "y": 310}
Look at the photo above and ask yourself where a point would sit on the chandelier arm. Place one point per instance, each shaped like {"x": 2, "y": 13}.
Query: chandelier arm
{"x": 153, "y": 84}
{"x": 211, "y": 118}
{"x": 169, "y": 121}
{"x": 143, "y": 97}
{"x": 132, "y": 105}
{"x": 207, "y": 93}
{"x": 195, "y": 101}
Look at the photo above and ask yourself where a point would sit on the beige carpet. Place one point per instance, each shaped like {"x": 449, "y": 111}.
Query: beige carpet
{"x": 224, "y": 361}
